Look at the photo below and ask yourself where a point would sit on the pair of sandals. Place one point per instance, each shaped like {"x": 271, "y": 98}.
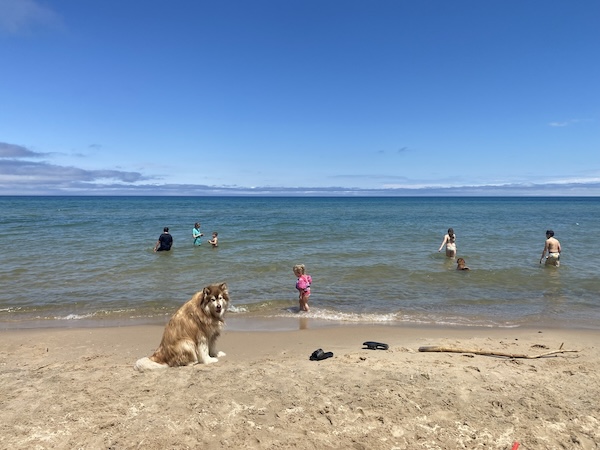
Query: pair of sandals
{"x": 319, "y": 354}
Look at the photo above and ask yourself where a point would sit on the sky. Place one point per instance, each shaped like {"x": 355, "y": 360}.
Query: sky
{"x": 300, "y": 97}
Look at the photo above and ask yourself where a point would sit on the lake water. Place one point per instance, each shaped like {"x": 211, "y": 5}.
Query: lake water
{"x": 89, "y": 261}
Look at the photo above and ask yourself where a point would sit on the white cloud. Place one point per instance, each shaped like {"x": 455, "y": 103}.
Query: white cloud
{"x": 18, "y": 16}
{"x": 566, "y": 123}
{"x": 20, "y": 175}
{"x": 17, "y": 151}
{"x": 16, "y": 168}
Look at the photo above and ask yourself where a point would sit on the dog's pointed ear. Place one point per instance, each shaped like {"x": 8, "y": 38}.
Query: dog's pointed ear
{"x": 223, "y": 287}
{"x": 206, "y": 294}
{"x": 199, "y": 296}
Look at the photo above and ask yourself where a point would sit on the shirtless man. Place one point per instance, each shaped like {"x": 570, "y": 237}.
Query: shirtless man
{"x": 552, "y": 246}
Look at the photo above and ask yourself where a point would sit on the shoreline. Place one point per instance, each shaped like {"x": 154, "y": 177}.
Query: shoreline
{"x": 76, "y": 387}
{"x": 257, "y": 323}
{"x": 135, "y": 333}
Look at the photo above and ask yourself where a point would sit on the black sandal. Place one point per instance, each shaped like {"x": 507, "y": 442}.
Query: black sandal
{"x": 372, "y": 345}
{"x": 319, "y": 355}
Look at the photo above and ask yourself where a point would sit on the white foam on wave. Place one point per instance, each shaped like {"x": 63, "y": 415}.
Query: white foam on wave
{"x": 75, "y": 316}
{"x": 337, "y": 316}
{"x": 388, "y": 318}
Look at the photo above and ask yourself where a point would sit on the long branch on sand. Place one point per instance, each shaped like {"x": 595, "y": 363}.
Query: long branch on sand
{"x": 434, "y": 348}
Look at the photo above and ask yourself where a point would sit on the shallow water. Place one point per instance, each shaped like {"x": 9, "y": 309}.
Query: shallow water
{"x": 72, "y": 261}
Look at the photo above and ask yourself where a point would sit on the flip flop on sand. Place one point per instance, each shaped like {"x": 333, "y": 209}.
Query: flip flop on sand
{"x": 371, "y": 345}
{"x": 319, "y": 355}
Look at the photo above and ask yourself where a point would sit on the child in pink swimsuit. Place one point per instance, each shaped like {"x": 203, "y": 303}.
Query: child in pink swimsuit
{"x": 303, "y": 285}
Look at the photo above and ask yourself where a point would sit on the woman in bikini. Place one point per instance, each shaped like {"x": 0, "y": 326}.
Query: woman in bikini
{"x": 450, "y": 243}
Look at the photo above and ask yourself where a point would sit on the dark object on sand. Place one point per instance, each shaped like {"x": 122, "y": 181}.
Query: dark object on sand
{"x": 319, "y": 355}
{"x": 372, "y": 345}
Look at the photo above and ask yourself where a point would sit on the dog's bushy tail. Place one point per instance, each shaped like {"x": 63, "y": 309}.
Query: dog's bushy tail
{"x": 145, "y": 364}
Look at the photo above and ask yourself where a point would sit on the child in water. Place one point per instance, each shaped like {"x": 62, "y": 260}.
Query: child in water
{"x": 215, "y": 240}
{"x": 303, "y": 285}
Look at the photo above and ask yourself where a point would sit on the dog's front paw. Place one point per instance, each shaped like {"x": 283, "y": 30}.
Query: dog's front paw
{"x": 208, "y": 360}
{"x": 219, "y": 354}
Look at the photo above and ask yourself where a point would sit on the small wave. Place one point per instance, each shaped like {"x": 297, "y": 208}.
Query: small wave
{"x": 337, "y": 316}
{"x": 75, "y": 316}
{"x": 392, "y": 318}
{"x": 120, "y": 311}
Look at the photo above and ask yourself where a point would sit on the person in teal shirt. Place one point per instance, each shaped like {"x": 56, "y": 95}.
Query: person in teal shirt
{"x": 196, "y": 234}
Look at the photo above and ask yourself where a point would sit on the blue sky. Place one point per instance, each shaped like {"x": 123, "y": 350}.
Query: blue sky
{"x": 300, "y": 97}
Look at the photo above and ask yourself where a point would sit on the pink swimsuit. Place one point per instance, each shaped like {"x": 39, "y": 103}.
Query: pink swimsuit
{"x": 303, "y": 284}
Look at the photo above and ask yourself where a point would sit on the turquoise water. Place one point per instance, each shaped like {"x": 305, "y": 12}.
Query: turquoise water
{"x": 88, "y": 261}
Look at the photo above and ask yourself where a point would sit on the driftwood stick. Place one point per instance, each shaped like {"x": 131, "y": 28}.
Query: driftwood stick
{"x": 434, "y": 348}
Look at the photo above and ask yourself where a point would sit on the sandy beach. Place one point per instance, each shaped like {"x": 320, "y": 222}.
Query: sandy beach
{"x": 76, "y": 388}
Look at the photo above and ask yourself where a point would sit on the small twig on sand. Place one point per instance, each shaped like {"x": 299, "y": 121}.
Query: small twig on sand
{"x": 434, "y": 348}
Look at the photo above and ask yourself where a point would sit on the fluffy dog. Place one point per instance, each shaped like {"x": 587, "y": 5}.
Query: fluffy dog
{"x": 190, "y": 336}
{"x": 461, "y": 264}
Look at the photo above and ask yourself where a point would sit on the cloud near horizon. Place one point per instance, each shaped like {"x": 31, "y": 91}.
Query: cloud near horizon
{"x": 18, "y": 151}
{"x": 19, "y": 175}
{"x": 18, "y": 172}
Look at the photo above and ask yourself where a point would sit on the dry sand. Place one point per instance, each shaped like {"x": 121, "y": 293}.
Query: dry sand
{"x": 76, "y": 388}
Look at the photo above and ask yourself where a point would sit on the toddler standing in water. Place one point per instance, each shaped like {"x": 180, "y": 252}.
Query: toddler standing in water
{"x": 303, "y": 285}
{"x": 215, "y": 239}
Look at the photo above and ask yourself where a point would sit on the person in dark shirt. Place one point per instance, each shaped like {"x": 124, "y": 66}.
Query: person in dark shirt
{"x": 165, "y": 241}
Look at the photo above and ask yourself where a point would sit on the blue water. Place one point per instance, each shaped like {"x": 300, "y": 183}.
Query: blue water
{"x": 88, "y": 261}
